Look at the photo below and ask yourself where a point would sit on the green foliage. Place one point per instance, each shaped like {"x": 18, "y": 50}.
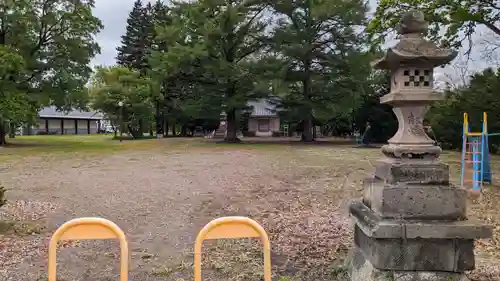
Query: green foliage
{"x": 319, "y": 59}
{"x": 458, "y": 19}
{"x": 45, "y": 47}
{"x": 15, "y": 107}
{"x": 481, "y": 95}
{"x": 208, "y": 63}
{"x": 138, "y": 38}
{"x": 382, "y": 121}
{"x": 139, "y": 41}
{"x": 3, "y": 200}
{"x": 112, "y": 85}
{"x": 55, "y": 39}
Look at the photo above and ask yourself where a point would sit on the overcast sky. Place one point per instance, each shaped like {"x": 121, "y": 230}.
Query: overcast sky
{"x": 114, "y": 13}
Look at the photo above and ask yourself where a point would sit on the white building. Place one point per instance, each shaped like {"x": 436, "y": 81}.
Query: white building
{"x": 53, "y": 122}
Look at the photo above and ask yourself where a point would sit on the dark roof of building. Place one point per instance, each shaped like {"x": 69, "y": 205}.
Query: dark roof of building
{"x": 263, "y": 108}
{"x": 52, "y": 112}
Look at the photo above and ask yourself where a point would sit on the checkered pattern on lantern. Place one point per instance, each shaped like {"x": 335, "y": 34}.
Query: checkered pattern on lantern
{"x": 417, "y": 78}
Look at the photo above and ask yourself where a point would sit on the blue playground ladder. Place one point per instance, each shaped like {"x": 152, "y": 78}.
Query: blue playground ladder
{"x": 475, "y": 156}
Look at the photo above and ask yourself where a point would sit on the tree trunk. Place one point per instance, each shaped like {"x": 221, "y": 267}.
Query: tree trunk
{"x": 140, "y": 133}
{"x": 183, "y": 131}
{"x": 307, "y": 134}
{"x": 165, "y": 128}
{"x": 2, "y": 134}
{"x": 159, "y": 120}
{"x": 232, "y": 127}
{"x": 173, "y": 129}
{"x": 12, "y": 130}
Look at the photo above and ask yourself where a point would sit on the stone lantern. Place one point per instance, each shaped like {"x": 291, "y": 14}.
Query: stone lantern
{"x": 411, "y": 223}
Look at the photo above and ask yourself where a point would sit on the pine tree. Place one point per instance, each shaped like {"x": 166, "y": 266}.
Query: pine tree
{"x": 160, "y": 19}
{"x": 135, "y": 43}
{"x": 319, "y": 57}
{"x": 210, "y": 43}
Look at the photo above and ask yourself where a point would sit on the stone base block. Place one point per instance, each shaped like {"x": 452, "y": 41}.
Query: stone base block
{"x": 409, "y": 151}
{"x": 406, "y": 201}
{"x": 456, "y": 255}
{"x": 373, "y": 225}
{"x": 362, "y": 270}
{"x": 412, "y": 172}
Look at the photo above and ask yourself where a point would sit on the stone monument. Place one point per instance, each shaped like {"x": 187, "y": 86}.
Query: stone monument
{"x": 411, "y": 223}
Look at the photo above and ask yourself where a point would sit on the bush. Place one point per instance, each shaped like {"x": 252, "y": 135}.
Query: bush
{"x": 49, "y": 133}
{"x": 3, "y": 201}
{"x": 136, "y": 138}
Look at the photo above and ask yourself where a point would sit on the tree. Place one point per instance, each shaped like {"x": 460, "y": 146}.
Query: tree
{"x": 15, "y": 108}
{"x": 113, "y": 85}
{"x": 382, "y": 120}
{"x": 210, "y": 42}
{"x": 137, "y": 40}
{"x": 51, "y": 43}
{"x": 481, "y": 95}
{"x": 458, "y": 18}
{"x": 318, "y": 53}
{"x": 161, "y": 18}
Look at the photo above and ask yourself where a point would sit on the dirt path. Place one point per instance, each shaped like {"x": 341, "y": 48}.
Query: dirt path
{"x": 162, "y": 200}
{"x": 153, "y": 198}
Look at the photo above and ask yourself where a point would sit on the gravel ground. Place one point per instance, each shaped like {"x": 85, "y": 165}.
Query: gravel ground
{"x": 161, "y": 200}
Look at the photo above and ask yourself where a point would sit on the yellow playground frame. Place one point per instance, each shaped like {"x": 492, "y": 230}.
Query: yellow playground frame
{"x": 98, "y": 228}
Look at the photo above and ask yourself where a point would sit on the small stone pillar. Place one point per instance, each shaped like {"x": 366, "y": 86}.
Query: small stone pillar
{"x": 411, "y": 223}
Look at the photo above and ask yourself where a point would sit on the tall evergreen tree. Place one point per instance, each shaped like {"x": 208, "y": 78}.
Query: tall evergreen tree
{"x": 135, "y": 43}
{"x": 217, "y": 38}
{"x": 319, "y": 54}
{"x": 160, "y": 19}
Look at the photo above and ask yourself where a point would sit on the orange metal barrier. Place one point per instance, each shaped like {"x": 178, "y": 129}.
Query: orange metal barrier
{"x": 232, "y": 227}
{"x": 85, "y": 229}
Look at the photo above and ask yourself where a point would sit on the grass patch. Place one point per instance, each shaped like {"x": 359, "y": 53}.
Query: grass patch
{"x": 34, "y": 145}
{"x": 19, "y": 228}
{"x": 129, "y": 138}
{"x": 180, "y": 268}
{"x": 6, "y": 227}
{"x": 99, "y": 144}
{"x": 163, "y": 272}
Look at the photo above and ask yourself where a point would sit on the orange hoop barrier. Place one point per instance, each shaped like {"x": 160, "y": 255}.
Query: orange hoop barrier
{"x": 86, "y": 229}
{"x": 232, "y": 227}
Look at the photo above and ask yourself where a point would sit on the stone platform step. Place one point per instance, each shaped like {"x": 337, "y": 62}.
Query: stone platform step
{"x": 376, "y": 227}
